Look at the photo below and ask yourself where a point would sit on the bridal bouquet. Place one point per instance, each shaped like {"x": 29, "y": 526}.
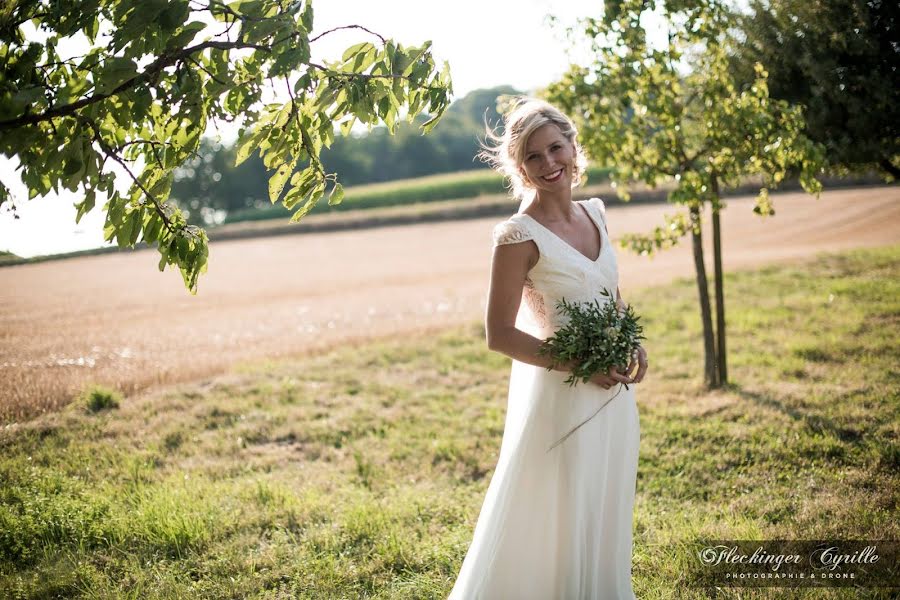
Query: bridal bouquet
{"x": 596, "y": 337}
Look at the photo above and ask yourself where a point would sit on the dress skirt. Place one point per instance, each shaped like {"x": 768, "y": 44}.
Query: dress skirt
{"x": 557, "y": 522}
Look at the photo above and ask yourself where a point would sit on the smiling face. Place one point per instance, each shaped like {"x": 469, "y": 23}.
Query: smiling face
{"x": 548, "y": 153}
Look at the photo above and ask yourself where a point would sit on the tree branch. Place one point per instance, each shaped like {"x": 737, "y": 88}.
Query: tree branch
{"x": 18, "y": 24}
{"x": 383, "y": 41}
{"x": 348, "y": 75}
{"x": 110, "y": 153}
{"x": 205, "y": 70}
{"x": 152, "y": 69}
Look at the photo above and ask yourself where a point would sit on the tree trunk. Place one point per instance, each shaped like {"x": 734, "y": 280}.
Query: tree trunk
{"x": 721, "y": 355}
{"x": 703, "y": 289}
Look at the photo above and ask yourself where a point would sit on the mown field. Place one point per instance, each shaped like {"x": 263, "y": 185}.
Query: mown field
{"x": 360, "y": 472}
{"x": 431, "y": 188}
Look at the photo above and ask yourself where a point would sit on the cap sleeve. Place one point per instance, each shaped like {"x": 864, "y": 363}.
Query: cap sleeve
{"x": 510, "y": 232}
{"x": 598, "y": 205}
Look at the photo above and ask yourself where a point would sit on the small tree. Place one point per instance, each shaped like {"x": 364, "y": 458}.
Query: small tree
{"x": 144, "y": 98}
{"x": 675, "y": 114}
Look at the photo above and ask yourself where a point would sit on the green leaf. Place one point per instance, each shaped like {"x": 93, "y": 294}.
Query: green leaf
{"x": 26, "y": 97}
{"x": 91, "y": 30}
{"x": 313, "y": 199}
{"x": 116, "y": 70}
{"x": 255, "y": 31}
{"x": 288, "y": 61}
{"x": 74, "y": 160}
{"x": 247, "y": 146}
{"x": 347, "y": 126}
{"x": 277, "y": 181}
{"x": 307, "y": 17}
{"x": 337, "y": 195}
{"x": 86, "y": 205}
{"x": 135, "y": 228}
{"x": 303, "y": 211}
{"x": 428, "y": 125}
{"x": 152, "y": 224}
{"x": 123, "y": 232}
{"x": 413, "y": 57}
{"x": 164, "y": 256}
{"x": 175, "y": 14}
{"x": 356, "y": 48}
{"x": 185, "y": 36}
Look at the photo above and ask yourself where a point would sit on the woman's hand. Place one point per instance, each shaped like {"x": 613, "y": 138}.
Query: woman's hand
{"x": 639, "y": 357}
{"x": 611, "y": 378}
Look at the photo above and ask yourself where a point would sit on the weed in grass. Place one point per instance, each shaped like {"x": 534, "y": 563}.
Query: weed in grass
{"x": 99, "y": 398}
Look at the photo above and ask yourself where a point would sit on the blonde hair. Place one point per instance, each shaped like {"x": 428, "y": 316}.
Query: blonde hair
{"x": 526, "y": 116}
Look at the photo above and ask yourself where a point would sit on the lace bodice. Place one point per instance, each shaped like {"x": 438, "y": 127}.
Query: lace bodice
{"x": 561, "y": 271}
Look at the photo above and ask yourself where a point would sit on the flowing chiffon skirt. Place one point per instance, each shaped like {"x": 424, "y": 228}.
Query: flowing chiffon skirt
{"x": 557, "y": 523}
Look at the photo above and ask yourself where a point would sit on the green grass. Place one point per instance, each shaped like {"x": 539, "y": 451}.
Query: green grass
{"x": 97, "y": 397}
{"x": 6, "y": 256}
{"x": 360, "y": 473}
{"x": 431, "y": 188}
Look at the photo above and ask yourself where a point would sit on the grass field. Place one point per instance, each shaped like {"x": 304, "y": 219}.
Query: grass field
{"x": 360, "y": 473}
{"x": 7, "y": 256}
{"x": 416, "y": 190}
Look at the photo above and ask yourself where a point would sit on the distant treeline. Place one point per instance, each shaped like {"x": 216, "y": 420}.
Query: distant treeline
{"x": 468, "y": 184}
{"x": 211, "y": 188}
{"x": 843, "y": 72}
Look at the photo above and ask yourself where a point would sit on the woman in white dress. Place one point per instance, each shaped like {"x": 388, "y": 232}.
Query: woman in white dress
{"x": 556, "y": 522}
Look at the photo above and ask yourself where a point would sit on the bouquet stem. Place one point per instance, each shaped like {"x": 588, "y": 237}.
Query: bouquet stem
{"x": 586, "y": 420}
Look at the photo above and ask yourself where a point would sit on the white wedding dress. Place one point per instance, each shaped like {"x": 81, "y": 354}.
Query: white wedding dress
{"x": 557, "y": 523}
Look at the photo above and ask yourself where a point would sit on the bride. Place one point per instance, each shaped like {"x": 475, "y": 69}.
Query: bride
{"x": 556, "y": 522}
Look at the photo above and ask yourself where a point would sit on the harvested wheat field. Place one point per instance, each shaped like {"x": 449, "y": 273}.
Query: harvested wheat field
{"x": 115, "y": 319}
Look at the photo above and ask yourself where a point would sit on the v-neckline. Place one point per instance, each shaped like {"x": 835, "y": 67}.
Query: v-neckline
{"x": 570, "y": 246}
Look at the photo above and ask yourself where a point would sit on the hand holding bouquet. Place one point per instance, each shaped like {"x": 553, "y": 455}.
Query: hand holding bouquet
{"x": 596, "y": 339}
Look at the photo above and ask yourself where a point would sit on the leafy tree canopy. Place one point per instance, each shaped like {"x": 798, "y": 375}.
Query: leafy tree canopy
{"x": 841, "y": 60}
{"x": 156, "y": 72}
{"x": 209, "y": 188}
{"x": 676, "y": 112}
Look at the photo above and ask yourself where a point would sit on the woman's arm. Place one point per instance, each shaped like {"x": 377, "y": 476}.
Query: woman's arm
{"x": 509, "y": 268}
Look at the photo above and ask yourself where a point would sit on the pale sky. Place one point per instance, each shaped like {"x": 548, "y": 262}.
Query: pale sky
{"x": 486, "y": 44}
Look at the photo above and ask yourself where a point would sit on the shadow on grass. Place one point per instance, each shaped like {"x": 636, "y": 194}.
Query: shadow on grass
{"x": 814, "y": 422}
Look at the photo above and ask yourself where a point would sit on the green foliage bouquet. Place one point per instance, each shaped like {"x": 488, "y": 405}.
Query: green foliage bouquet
{"x": 595, "y": 338}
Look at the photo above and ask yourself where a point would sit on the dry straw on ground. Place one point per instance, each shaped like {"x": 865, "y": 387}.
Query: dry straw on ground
{"x": 116, "y": 320}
